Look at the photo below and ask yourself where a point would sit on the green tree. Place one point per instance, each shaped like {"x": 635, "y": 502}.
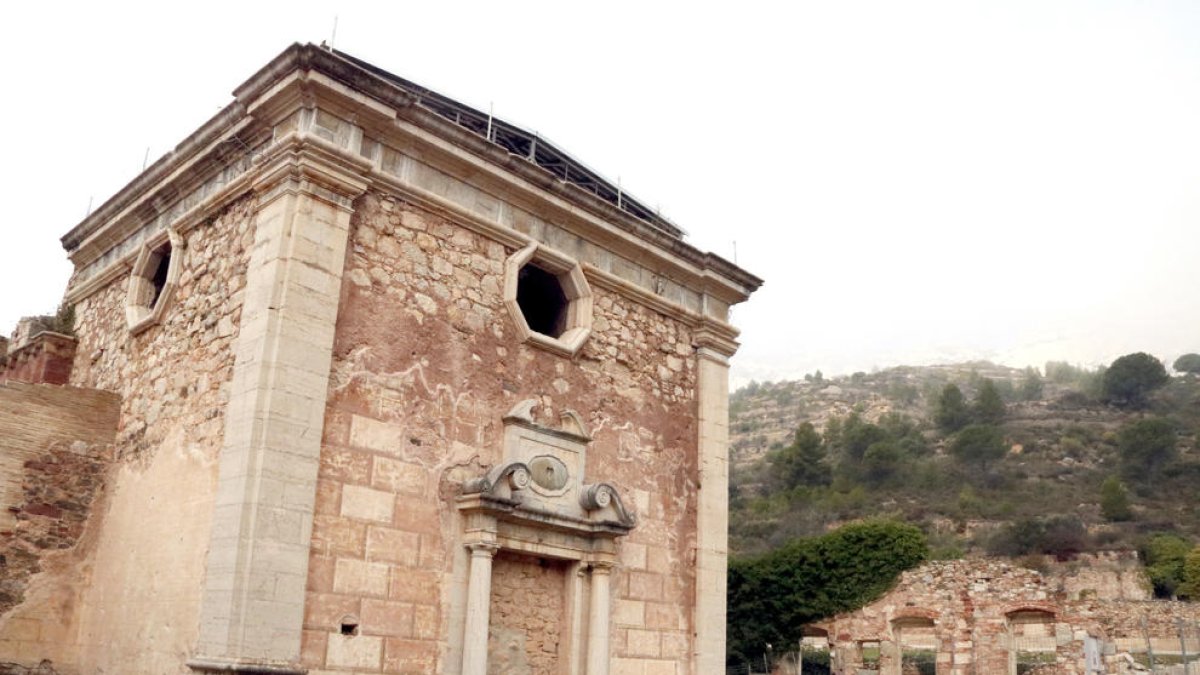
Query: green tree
{"x": 1114, "y": 500}
{"x": 881, "y": 461}
{"x": 802, "y": 462}
{"x": 1146, "y": 446}
{"x": 989, "y": 406}
{"x": 1130, "y": 378}
{"x": 951, "y": 413}
{"x": 979, "y": 445}
{"x": 1165, "y": 556}
{"x": 1032, "y": 386}
{"x": 1190, "y": 588}
{"x": 1188, "y": 363}
{"x": 857, "y": 435}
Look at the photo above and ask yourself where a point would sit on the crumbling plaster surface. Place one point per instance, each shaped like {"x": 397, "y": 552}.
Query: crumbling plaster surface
{"x": 425, "y": 366}
{"x": 121, "y": 613}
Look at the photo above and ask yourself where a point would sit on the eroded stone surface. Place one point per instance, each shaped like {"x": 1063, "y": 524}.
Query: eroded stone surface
{"x": 425, "y": 368}
{"x": 114, "y": 609}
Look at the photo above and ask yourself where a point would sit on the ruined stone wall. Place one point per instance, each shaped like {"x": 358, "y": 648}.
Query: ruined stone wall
{"x": 1106, "y": 575}
{"x": 123, "y": 613}
{"x": 426, "y": 363}
{"x": 1129, "y": 624}
{"x": 981, "y": 609}
{"x": 47, "y": 357}
{"x": 55, "y": 443}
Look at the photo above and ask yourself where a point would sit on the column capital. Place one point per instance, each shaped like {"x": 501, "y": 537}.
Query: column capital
{"x": 715, "y": 340}
{"x": 308, "y": 164}
{"x": 602, "y": 566}
{"x": 482, "y": 549}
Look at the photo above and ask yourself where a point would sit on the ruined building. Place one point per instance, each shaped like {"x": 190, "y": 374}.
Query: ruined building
{"x": 989, "y": 617}
{"x": 365, "y": 381}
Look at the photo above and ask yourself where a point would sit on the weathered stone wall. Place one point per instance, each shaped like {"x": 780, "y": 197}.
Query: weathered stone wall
{"x": 125, "y": 613}
{"x": 55, "y": 443}
{"x": 1106, "y": 575}
{"x": 1129, "y": 624}
{"x": 425, "y": 366}
{"x": 44, "y": 358}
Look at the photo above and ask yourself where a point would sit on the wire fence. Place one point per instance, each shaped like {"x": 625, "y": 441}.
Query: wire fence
{"x": 1033, "y": 653}
{"x": 803, "y": 662}
{"x": 1176, "y": 655}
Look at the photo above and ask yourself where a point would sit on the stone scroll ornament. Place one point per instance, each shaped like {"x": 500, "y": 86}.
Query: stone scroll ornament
{"x": 597, "y": 496}
{"x": 541, "y": 476}
{"x": 504, "y": 481}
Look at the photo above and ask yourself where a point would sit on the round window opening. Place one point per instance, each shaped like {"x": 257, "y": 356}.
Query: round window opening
{"x": 542, "y": 301}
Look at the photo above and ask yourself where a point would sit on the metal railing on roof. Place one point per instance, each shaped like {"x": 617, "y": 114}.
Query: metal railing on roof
{"x": 526, "y": 144}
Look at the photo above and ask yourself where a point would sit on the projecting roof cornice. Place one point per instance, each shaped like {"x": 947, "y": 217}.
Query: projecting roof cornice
{"x": 386, "y": 112}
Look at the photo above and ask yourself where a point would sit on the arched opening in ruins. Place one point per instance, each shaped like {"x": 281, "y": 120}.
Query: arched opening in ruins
{"x": 815, "y": 654}
{"x": 917, "y": 644}
{"x": 1032, "y": 646}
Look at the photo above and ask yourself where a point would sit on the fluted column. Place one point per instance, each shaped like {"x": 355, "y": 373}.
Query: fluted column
{"x": 479, "y": 601}
{"x": 598, "y": 615}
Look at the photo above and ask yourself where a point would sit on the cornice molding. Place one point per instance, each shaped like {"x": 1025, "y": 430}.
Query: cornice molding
{"x": 307, "y": 78}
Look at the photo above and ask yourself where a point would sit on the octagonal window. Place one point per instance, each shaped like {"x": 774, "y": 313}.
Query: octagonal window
{"x": 152, "y": 282}
{"x": 548, "y": 299}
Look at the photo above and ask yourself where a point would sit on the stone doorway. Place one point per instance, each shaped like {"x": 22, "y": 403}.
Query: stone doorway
{"x": 527, "y": 635}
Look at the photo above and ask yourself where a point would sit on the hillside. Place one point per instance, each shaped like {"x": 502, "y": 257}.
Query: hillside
{"x": 877, "y": 450}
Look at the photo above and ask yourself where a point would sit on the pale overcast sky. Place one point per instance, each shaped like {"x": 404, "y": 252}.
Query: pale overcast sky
{"x": 916, "y": 181}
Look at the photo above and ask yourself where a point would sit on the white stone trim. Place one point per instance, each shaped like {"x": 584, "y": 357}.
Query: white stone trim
{"x": 140, "y": 314}
{"x": 574, "y": 286}
{"x": 712, "y": 509}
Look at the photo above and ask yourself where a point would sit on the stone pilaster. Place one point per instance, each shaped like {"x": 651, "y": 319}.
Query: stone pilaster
{"x": 712, "y": 509}
{"x": 253, "y": 599}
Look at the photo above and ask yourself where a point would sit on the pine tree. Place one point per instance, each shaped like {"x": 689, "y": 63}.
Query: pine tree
{"x": 951, "y": 413}
{"x": 802, "y": 462}
{"x": 989, "y": 406}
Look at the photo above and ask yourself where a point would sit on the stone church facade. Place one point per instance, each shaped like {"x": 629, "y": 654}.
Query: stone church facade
{"x": 397, "y": 388}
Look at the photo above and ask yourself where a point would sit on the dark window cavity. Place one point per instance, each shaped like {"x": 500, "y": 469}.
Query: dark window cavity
{"x": 542, "y": 301}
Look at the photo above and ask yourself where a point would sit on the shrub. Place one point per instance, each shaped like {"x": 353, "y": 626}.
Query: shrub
{"x": 1060, "y": 536}
{"x": 1146, "y": 446}
{"x": 772, "y": 596}
{"x": 1114, "y": 500}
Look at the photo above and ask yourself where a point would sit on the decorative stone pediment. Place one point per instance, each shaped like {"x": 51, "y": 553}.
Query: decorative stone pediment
{"x": 540, "y": 483}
